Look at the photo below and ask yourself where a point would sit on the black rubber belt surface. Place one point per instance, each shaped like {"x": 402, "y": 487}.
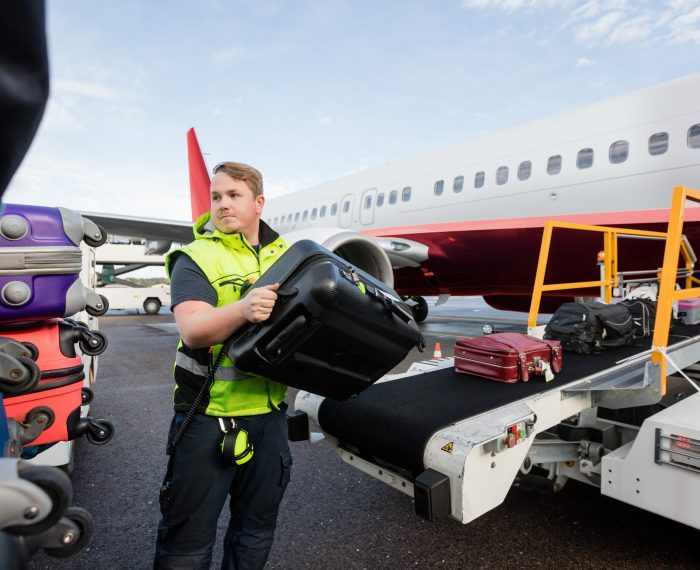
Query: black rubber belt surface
{"x": 393, "y": 421}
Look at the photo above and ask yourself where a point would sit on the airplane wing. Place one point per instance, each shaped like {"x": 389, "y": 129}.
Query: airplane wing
{"x": 145, "y": 228}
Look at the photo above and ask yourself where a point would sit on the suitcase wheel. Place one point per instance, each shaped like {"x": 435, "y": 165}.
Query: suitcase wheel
{"x": 23, "y": 377}
{"x": 93, "y": 343}
{"x": 56, "y": 484}
{"x": 100, "y": 432}
{"x": 33, "y": 350}
{"x": 99, "y": 310}
{"x": 42, "y": 416}
{"x": 74, "y": 542}
{"x": 86, "y": 395}
{"x": 95, "y": 240}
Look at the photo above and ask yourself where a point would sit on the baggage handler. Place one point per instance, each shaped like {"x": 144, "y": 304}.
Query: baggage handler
{"x": 232, "y": 246}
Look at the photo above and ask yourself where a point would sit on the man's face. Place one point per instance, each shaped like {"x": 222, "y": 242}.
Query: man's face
{"x": 233, "y": 206}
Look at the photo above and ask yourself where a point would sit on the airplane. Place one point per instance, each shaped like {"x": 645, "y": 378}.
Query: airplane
{"x": 468, "y": 219}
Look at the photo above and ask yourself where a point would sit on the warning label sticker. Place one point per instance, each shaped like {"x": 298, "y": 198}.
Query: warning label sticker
{"x": 448, "y": 447}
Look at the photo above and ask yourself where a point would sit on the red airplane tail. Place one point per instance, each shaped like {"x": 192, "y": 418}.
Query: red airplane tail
{"x": 199, "y": 177}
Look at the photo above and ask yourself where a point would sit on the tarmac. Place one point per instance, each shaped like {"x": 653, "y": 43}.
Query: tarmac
{"x": 334, "y": 516}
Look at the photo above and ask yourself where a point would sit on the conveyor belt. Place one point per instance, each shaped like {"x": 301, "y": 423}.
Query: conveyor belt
{"x": 393, "y": 421}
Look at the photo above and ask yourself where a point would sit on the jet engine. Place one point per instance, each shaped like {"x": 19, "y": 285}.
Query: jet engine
{"x": 362, "y": 251}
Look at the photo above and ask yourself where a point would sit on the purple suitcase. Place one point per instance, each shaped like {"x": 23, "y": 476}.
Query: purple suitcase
{"x": 40, "y": 262}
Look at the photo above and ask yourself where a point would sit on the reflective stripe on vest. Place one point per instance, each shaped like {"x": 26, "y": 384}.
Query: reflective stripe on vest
{"x": 223, "y": 373}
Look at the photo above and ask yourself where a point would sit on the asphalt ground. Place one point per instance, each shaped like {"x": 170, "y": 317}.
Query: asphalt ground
{"x": 334, "y": 516}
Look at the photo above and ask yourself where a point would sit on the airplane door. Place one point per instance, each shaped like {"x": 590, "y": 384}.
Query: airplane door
{"x": 367, "y": 206}
{"x": 346, "y": 211}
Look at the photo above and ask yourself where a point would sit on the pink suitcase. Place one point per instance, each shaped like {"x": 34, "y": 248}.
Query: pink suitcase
{"x": 507, "y": 357}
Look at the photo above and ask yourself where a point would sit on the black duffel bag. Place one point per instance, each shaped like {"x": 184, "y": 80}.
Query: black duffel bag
{"x": 590, "y": 327}
{"x": 643, "y": 313}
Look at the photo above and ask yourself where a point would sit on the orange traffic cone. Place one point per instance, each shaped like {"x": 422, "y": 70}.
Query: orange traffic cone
{"x": 438, "y": 351}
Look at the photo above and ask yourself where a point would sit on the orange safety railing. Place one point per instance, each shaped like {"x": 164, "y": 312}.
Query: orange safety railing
{"x": 676, "y": 244}
{"x": 667, "y": 287}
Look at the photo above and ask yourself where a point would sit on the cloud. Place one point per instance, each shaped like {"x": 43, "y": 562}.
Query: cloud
{"x": 611, "y": 22}
{"x": 685, "y": 28}
{"x": 47, "y": 179}
{"x": 84, "y": 89}
{"x": 512, "y": 5}
{"x": 324, "y": 120}
{"x": 584, "y": 62}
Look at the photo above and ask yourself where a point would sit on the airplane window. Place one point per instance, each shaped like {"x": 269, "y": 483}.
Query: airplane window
{"x": 439, "y": 187}
{"x": 334, "y": 209}
{"x": 501, "y": 175}
{"x": 314, "y": 212}
{"x": 322, "y": 213}
{"x": 305, "y": 216}
{"x": 479, "y": 179}
{"x": 392, "y": 196}
{"x": 406, "y": 194}
{"x": 658, "y": 143}
{"x": 619, "y": 151}
{"x": 554, "y": 164}
{"x": 584, "y": 159}
{"x": 694, "y": 136}
{"x": 296, "y": 217}
{"x": 289, "y": 219}
{"x": 380, "y": 199}
{"x": 346, "y": 206}
{"x": 368, "y": 202}
{"x": 458, "y": 184}
{"x": 524, "y": 170}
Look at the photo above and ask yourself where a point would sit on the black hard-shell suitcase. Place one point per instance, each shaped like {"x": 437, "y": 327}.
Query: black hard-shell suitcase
{"x": 334, "y": 329}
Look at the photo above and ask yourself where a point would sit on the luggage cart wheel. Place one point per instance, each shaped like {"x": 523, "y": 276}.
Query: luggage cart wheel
{"x": 96, "y": 312}
{"x": 86, "y": 395}
{"x": 93, "y": 343}
{"x": 57, "y": 485}
{"x": 100, "y": 432}
{"x": 74, "y": 542}
{"x": 93, "y": 241}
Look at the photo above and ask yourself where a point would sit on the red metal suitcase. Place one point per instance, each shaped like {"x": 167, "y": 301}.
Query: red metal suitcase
{"x": 60, "y": 391}
{"x": 507, "y": 357}
{"x": 59, "y": 399}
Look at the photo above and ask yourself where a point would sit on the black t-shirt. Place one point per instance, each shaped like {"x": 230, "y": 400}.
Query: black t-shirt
{"x": 188, "y": 283}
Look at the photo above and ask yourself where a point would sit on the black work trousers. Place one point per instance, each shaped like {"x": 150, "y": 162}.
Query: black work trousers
{"x": 201, "y": 483}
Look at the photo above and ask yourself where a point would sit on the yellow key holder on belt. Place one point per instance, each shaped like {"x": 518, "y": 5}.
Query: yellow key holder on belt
{"x": 236, "y": 448}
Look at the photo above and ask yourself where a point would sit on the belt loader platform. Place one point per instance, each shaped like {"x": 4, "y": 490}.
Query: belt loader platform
{"x": 456, "y": 443}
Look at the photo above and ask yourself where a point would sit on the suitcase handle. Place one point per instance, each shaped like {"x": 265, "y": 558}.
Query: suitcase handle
{"x": 406, "y": 315}
{"x": 287, "y": 293}
{"x": 285, "y": 338}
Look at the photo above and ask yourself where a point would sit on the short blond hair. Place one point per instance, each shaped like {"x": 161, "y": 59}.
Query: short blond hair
{"x": 243, "y": 172}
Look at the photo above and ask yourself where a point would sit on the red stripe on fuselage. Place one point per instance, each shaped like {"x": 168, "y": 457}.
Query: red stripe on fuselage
{"x": 597, "y": 219}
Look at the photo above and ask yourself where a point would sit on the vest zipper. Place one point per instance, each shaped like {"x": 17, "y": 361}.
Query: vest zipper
{"x": 252, "y": 250}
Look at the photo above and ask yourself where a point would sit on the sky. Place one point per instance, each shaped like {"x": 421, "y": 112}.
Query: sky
{"x": 308, "y": 91}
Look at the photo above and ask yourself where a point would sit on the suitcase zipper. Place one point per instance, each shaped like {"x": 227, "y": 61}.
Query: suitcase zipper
{"x": 484, "y": 362}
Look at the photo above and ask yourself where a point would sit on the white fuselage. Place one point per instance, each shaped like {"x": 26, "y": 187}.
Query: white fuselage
{"x": 634, "y": 190}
